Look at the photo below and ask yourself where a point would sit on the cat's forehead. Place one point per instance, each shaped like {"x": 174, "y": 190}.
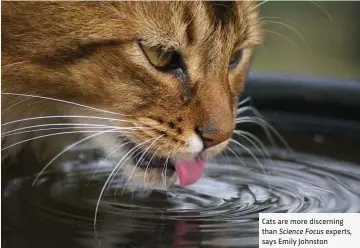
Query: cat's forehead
{"x": 193, "y": 27}
{"x": 189, "y": 23}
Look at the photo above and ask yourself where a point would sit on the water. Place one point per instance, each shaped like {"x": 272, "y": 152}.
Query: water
{"x": 220, "y": 210}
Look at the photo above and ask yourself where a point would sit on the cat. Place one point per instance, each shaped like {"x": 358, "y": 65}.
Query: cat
{"x": 154, "y": 85}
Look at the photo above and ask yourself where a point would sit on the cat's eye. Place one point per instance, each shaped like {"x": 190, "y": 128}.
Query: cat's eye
{"x": 235, "y": 58}
{"x": 157, "y": 56}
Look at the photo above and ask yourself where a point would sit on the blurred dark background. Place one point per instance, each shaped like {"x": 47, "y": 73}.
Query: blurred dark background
{"x": 310, "y": 38}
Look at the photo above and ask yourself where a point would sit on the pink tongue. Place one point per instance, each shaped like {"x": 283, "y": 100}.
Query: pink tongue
{"x": 189, "y": 171}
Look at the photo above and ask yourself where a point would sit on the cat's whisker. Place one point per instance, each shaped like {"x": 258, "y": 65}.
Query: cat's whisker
{"x": 172, "y": 155}
{"x": 65, "y": 150}
{"x": 254, "y": 157}
{"x": 140, "y": 159}
{"x": 246, "y": 100}
{"x": 258, "y": 5}
{"x": 131, "y": 157}
{"x": 225, "y": 156}
{"x": 128, "y": 160}
{"x": 103, "y": 161}
{"x": 236, "y": 155}
{"x": 248, "y": 108}
{"x": 216, "y": 157}
{"x": 264, "y": 18}
{"x": 322, "y": 7}
{"x": 255, "y": 139}
{"x": 15, "y": 104}
{"x": 63, "y": 101}
{"x": 68, "y": 125}
{"x": 109, "y": 177}
{"x": 165, "y": 168}
{"x": 283, "y": 21}
{"x": 262, "y": 149}
{"x": 36, "y": 102}
{"x": 55, "y": 134}
{"x": 264, "y": 123}
{"x": 61, "y": 128}
{"x": 63, "y": 116}
{"x": 284, "y": 37}
{"x": 246, "y": 149}
{"x": 291, "y": 28}
{"x": 249, "y": 119}
{"x": 147, "y": 166}
{"x": 318, "y": 4}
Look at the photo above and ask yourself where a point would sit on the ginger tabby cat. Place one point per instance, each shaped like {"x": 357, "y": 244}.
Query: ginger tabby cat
{"x": 154, "y": 85}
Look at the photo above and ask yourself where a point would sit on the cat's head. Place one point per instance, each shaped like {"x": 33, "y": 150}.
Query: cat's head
{"x": 172, "y": 70}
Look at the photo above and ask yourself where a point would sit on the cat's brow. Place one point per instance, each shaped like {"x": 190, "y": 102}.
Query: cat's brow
{"x": 222, "y": 11}
{"x": 190, "y": 31}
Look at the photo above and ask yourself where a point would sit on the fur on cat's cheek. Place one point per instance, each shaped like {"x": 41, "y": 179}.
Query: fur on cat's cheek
{"x": 195, "y": 145}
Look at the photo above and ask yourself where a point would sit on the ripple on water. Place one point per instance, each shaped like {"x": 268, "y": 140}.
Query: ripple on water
{"x": 220, "y": 209}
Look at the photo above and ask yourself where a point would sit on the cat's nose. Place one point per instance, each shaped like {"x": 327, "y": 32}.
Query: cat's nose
{"x": 213, "y": 114}
{"x": 213, "y": 137}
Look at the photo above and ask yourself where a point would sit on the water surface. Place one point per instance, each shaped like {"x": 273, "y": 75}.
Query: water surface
{"x": 220, "y": 210}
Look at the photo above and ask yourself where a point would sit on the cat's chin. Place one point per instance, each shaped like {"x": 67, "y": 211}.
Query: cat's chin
{"x": 156, "y": 172}
{"x": 161, "y": 172}
{"x": 142, "y": 169}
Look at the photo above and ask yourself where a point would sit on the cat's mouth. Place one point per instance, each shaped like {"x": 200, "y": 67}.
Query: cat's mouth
{"x": 187, "y": 170}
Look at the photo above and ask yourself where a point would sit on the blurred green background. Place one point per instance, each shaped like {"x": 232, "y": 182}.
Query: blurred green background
{"x": 310, "y": 38}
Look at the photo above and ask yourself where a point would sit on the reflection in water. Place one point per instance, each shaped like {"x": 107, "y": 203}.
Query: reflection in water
{"x": 220, "y": 210}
